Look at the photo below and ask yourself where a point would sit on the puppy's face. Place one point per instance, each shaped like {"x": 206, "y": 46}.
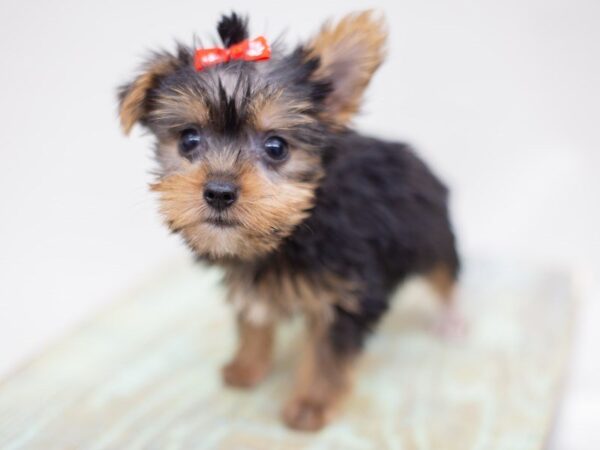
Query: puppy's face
{"x": 239, "y": 144}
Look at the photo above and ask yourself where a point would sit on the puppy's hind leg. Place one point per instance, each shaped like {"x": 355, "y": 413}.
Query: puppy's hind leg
{"x": 450, "y": 322}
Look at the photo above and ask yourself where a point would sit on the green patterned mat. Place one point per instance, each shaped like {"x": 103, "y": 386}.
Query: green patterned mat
{"x": 144, "y": 374}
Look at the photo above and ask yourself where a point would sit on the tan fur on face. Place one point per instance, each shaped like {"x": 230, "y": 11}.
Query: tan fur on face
{"x": 276, "y": 112}
{"x": 131, "y": 108}
{"x": 349, "y": 52}
{"x": 181, "y": 107}
{"x": 267, "y": 210}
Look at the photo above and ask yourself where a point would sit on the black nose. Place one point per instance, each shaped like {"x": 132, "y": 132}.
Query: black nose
{"x": 220, "y": 194}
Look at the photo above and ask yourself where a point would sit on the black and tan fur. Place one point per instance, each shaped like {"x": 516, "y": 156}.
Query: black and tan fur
{"x": 329, "y": 232}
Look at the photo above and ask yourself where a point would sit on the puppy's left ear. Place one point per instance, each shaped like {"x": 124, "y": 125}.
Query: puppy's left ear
{"x": 348, "y": 53}
{"x": 134, "y": 97}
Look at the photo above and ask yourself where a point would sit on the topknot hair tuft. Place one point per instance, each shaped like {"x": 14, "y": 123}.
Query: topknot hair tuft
{"x": 232, "y": 29}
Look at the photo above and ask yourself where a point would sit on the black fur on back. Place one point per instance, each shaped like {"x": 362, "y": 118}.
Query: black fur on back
{"x": 380, "y": 216}
{"x": 232, "y": 29}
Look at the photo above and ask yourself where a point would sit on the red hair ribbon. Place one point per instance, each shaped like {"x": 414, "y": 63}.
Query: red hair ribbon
{"x": 248, "y": 50}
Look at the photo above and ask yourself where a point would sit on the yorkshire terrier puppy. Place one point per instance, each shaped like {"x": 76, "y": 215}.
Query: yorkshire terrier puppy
{"x": 261, "y": 174}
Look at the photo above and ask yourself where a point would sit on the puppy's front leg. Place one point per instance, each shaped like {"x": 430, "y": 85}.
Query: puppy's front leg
{"x": 252, "y": 359}
{"x": 322, "y": 379}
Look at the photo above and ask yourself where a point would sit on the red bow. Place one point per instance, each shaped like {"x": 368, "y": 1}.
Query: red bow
{"x": 247, "y": 50}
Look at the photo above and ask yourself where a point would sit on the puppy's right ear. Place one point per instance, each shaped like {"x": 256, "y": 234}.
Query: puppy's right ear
{"x": 134, "y": 104}
{"x": 348, "y": 53}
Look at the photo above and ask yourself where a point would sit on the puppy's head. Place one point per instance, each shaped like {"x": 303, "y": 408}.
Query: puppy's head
{"x": 239, "y": 144}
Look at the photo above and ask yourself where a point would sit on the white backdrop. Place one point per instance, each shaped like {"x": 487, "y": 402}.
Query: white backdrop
{"x": 502, "y": 98}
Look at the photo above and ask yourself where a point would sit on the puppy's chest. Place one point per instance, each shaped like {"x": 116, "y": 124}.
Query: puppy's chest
{"x": 273, "y": 294}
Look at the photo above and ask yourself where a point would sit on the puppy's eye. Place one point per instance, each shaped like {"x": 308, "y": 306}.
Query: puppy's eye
{"x": 189, "y": 140}
{"x": 276, "y": 148}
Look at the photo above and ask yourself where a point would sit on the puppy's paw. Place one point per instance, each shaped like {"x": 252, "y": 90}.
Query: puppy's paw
{"x": 451, "y": 325}
{"x": 242, "y": 374}
{"x": 306, "y": 415}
